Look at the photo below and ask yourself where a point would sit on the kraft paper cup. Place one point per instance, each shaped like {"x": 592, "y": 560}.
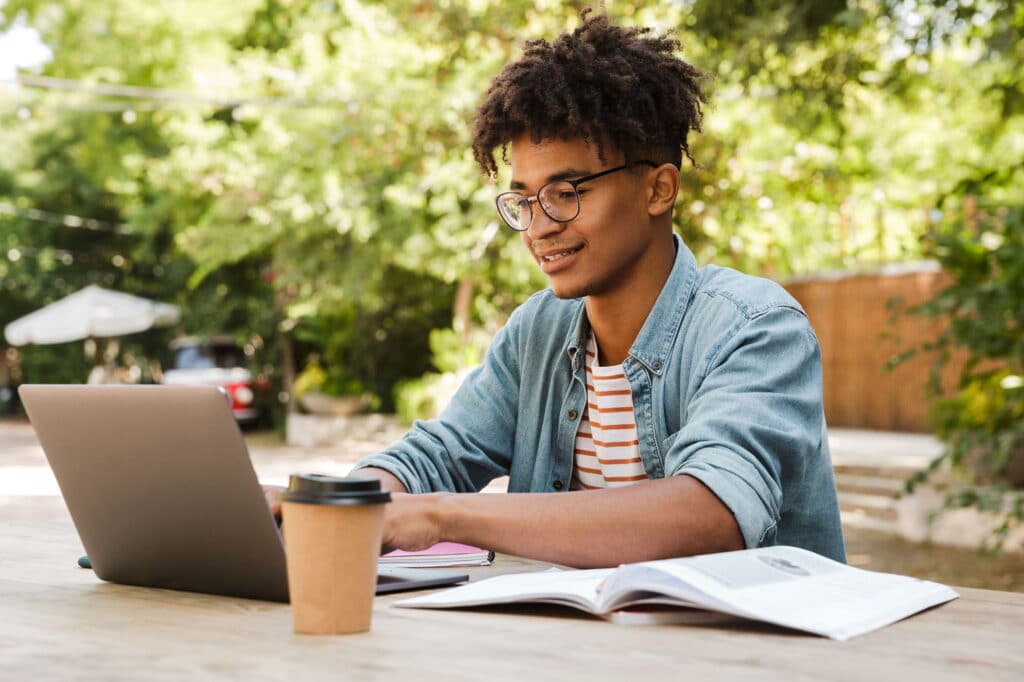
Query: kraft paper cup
{"x": 332, "y": 534}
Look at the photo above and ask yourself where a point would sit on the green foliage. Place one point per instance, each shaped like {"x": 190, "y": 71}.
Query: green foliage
{"x": 311, "y": 379}
{"x": 982, "y": 422}
{"x": 54, "y": 363}
{"x": 985, "y": 303}
{"x": 454, "y": 352}
{"x": 454, "y": 355}
{"x": 297, "y": 173}
{"x": 372, "y": 345}
{"x": 416, "y": 398}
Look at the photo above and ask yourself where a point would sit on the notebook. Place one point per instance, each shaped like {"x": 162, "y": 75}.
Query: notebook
{"x": 441, "y": 554}
{"x": 162, "y": 492}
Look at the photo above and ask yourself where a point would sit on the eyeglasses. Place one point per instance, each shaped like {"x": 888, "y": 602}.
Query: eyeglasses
{"x": 560, "y": 200}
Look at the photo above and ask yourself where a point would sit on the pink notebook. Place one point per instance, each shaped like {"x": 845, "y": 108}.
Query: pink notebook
{"x": 441, "y": 554}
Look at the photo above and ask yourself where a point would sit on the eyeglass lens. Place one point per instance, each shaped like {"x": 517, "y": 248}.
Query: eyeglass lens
{"x": 559, "y": 201}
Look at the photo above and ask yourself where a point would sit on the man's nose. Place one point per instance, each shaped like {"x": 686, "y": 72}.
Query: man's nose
{"x": 542, "y": 225}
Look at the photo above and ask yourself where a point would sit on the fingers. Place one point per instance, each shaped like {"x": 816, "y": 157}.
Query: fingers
{"x": 272, "y": 493}
{"x": 408, "y": 525}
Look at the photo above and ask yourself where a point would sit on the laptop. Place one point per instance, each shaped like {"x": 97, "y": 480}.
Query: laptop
{"x": 162, "y": 492}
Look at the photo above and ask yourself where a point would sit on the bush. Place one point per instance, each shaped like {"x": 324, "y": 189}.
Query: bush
{"x": 982, "y": 421}
{"x": 425, "y": 397}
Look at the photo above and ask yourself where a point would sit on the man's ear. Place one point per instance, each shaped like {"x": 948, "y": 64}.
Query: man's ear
{"x": 662, "y": 189}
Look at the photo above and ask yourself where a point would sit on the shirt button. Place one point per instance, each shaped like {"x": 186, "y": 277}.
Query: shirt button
{"x": 557, "y": 485}
{"x": 572, "y": 415}
{"x": 657, "y": 364}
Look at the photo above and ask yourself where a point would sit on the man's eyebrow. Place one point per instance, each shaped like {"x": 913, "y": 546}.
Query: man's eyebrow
{"x": 565, "y": 174}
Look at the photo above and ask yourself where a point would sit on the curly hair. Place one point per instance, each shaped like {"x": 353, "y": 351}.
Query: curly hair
{"x": 602, "y": 83}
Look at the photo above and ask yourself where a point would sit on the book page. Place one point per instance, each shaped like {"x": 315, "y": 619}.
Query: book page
{"x": 786, "y": 586}
{"x": 571, "y": 588}
{"x": 790, "y": 587}
{"x": 655, "y": 612}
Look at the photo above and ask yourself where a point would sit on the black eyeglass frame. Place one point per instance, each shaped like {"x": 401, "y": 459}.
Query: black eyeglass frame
{"x": 535, "y": 199}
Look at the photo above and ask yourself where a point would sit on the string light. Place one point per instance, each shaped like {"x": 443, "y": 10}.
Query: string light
{"x": 67, "y": 258}
{"x": 16, "y": 253}
{"x": 65, "y": 219}
{"x": 165, "y": 95}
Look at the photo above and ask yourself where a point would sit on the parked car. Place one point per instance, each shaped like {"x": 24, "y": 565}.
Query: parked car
{"x": 217, "y": 361}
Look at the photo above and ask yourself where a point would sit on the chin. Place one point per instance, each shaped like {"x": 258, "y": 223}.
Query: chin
{"x": 567, "y": 290}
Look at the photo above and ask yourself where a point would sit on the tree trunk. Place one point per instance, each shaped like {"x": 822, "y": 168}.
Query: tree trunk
{"x": 462, "y": 308}
{"x": 288, "y": 369}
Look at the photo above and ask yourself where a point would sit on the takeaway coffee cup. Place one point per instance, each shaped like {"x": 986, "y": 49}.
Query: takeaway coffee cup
{"x": 332, "y": 534}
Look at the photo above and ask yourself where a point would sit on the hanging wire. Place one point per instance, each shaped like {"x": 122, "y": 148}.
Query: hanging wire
{"x": 65, "y": 219}
{"x": 165, "y": 95}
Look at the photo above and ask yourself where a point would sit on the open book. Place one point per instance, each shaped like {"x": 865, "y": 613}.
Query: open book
{"x": 786, "y": 586}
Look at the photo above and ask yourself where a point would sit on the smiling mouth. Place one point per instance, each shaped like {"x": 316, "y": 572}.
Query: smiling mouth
{"x": 560, "y": 255}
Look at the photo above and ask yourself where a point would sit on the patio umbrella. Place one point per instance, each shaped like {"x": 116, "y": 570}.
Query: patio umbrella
{"x": 90, "y": 312}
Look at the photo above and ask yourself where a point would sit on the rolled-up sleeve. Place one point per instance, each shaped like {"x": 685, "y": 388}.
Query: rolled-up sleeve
{"x": 470, "y": 443}
{"x": 755, "y": 420}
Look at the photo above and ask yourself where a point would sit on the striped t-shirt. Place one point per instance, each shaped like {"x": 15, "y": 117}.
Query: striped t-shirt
{"x": 607, "y": 452}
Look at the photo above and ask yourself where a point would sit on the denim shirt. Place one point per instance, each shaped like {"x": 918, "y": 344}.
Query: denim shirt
{"x": 726, "y": 382}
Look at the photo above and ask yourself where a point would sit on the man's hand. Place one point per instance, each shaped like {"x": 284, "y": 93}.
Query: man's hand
{"x": 273, "y": 495}
{"x": 412, "y": 522}
{"x": 649, "y": 520}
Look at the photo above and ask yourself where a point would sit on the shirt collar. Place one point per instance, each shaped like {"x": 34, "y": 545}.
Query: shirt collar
{"x": 653, "y": 344}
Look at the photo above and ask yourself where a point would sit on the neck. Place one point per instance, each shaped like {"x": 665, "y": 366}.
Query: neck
{"x": 617, "y": 316}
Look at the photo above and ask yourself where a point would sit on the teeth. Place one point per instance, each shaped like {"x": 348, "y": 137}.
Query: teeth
{"x": 563, "y": 254}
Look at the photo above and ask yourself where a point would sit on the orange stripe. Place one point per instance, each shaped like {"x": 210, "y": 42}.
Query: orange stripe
{"x": 616, "y": 445}
{"x": 635, "y": 460}
{"x": 587, "y": 470}
{"x": 592, "y": 453}
{"x": 591, "y": 355}
{"x": 607, "y": 377}
{"x": 596, "y": 392}
{"x": 588, "y": 487}
{"x": 620, "y": 479}
{"x": 610, "y": 427}
{"x": 595, "y": 408}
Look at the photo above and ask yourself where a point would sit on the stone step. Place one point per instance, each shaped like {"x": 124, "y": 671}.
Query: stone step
{"x": 869, "y": 485}
{"x": 882, "y": 448}
{"x": 853, "y": 519}
{"x": 877, "y": 507}
{"x": 898, "y": 473}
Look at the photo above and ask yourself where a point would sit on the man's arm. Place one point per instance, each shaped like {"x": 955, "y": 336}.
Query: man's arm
{"x": 470, "y": 443}
{"x": 756, "y": 418}
{"x": 649, "y": 520}
{"x": 388, "y": 481}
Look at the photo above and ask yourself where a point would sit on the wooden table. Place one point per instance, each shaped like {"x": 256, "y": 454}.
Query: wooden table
{"x": 58, "y": 621}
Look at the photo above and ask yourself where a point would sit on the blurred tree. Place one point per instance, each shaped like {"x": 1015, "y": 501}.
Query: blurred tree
{"x": 82, "y": 199}
{"x": 298, "y": 170}
{"x": 981, "y": 418}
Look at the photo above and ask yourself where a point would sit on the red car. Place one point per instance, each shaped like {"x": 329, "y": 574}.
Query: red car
{"x": 217, "y": 361}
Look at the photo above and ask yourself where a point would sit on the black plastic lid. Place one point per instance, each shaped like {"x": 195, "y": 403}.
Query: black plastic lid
{"x": 321, "y": 489}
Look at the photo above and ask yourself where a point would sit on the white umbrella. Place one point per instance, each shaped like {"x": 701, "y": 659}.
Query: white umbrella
{"x": 91, "y": 311}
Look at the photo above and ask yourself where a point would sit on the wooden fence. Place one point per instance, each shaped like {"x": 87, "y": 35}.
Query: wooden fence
{"x": 851, "y": 316}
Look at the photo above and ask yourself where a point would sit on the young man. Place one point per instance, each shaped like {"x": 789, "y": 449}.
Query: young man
{"x": 643, "y": 407}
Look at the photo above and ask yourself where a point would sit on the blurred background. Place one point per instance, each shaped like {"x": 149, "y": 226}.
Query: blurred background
{"x": 294, "y": 178}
